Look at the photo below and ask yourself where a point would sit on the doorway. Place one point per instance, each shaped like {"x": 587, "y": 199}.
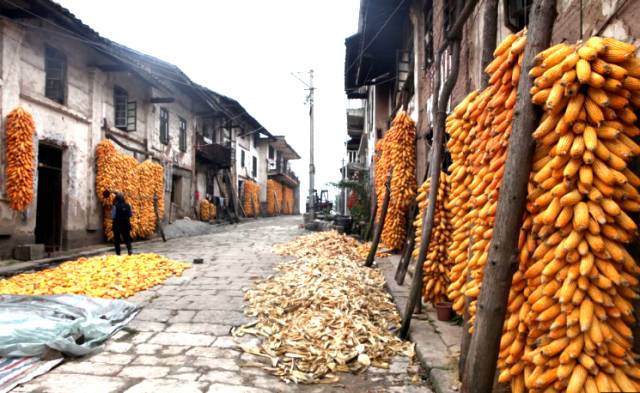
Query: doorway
{"x": 49, "y": 201}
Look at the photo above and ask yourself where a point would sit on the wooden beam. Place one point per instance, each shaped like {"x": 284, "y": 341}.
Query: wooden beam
{"x": 380, "y": 226}
{"x": 489, "y": 36}
{"x": 162, "y": 100}
{"x": 503, "y": 251}
{"x": 112, "y": 67}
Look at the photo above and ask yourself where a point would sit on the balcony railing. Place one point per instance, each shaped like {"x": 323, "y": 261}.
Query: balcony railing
{"x": 216, "y": 154}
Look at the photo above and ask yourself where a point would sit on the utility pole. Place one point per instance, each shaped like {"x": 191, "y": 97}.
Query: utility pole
{"x": 312, "y": 168}
{"x": 344, "y": 190}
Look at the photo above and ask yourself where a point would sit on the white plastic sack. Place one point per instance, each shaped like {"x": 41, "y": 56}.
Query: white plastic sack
{"x": 73, "y": 325}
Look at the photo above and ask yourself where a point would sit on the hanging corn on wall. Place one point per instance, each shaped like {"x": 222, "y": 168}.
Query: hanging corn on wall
{"x": 287, "y": 200}
{"x": 274, "y": 197}
{"x": 397, "y": 150}
{"x": 20, "y": 130}
{"x": 138, "y": 182}
{"x": 436, "y": 264}
{"x": 251, "y": 202}
{"x": 205, "y": 210}
{"x": 479, "y": 128}
{"x": 569, "y": 315}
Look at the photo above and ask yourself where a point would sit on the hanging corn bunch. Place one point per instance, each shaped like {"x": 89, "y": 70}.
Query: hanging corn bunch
{"x": 480, "y": 127}
{"x": 20, "y": 130}
{"x": 569, "y": 314}
{"x": 205, "y": 210}
{"x": 251, "y": 203}
{"x": 436, "y": 264}
{"x": 274, "y": 197}
{"x": 287, "y": 198}
{"x": 397, "y": 151}
{"x": 138, "y": 182}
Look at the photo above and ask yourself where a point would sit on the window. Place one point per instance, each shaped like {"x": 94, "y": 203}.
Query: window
{"x": 124, "y": 110}
{"x": 164, "y": 126}
{"x": 55, "y": 68}
{"x": 183, "y": 134}
{"x": 516, "y": 13}
{"x": 254, "y": 167}
{"x": 242, "y": 158}
{"x": 271, "y": 152}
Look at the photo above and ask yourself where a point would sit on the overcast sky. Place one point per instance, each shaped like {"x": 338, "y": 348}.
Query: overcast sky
{"x": 246, "y": 49}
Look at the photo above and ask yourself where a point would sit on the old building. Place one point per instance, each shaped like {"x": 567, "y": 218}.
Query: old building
{"x": 82, "y": 88}
{"x": 389, "y": 61}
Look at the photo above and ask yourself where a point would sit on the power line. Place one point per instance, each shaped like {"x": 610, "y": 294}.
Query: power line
{"x": 376, "y": 35}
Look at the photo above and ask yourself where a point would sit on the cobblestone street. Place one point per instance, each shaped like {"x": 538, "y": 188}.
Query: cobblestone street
{"x": 183, "y": 341}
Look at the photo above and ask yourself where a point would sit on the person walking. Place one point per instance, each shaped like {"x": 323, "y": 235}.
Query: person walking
{"x": 121, "y": 223}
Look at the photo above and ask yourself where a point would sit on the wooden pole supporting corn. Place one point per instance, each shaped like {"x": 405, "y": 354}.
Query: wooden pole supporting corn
{"x": 158, "y": 222}
{"x": 503, "y": 255}
{"x": 410, "y": 243}
{"x": 380, "y": 226}
{"x": 439, "y": 115}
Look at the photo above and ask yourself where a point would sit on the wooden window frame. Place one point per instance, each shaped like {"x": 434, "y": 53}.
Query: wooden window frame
{"x": 55, "y": 86}
{"x": 242, "y": 159}
{"x": 164, "y": 126}
{"x": 183, "y": 134}
{"x": 254, "y": 166}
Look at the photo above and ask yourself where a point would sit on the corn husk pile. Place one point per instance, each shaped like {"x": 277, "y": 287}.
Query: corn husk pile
{"x": 482, "y": 122}
{"x": 437, "y": 264}
{"x": 116, "y": 172}
{"x": 570, "y": 311}
{"x": 274, "y": 197}
{"x": 251, "y": 203}
{"x": 20, "y": 130}
{"x": 396, "y": 150}
{"x": 109, "y": 277}
{"x": 323, "y": 313}
{"x": 363, "y": 251}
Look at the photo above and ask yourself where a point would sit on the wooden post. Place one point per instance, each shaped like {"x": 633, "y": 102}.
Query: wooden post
{"x": 403, "y": 265}
{"x": 158, "y": 222}
{"x": 440, "y": 116}
{"x": 489, "y": 36}
{"x": 374, "y": 211}
{"x": 503, "y": 252}
{"x": 380, "y": 226}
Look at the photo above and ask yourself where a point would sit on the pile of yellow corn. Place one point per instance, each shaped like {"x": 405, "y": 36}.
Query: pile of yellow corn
{"x": 397, "y": 150}
{"x": 569, "y": 315}
{"x": 116, "y": 172}
{"x": 110, "y": 277}
{"x": 436, "y": 265}
{"x": 287, "y": 200}
{"x": 251, "y": 203}
{"x": 274, "y": 197}
{"x": 20, "y": 130}
{"x": 480, "y": 127}
{"x": 205, "y": 210}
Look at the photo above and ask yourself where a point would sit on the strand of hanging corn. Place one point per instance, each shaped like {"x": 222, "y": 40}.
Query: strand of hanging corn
{"x": 481, "y": 125}
{"x": 396, "y": 150}
{"x": 569, "y": 313}
{"x": 20, "y": 130}
{"x": 287, "y": 200}
{"x": 116, "y": 172}
{"x": 251, "y": 202}
{"x": 206, "y": 210}
{"x": 437, "y": 264}
{"x": 274, "y": 197}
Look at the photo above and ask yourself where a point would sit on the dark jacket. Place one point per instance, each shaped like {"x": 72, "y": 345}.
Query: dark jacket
{"x": 121, "y": 214}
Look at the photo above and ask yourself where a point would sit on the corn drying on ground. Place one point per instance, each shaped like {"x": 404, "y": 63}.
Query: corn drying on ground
{"x": 20, "y": 130}
{"x": 109, "y": 277}
{"x": 323, "y": 313}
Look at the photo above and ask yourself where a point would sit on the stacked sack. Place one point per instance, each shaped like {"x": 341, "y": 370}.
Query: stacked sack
{"x": 436, "y": 264}
{"x": 397, "y": 151}
{"x": 20, "y": 130}
{"x": 251, "y": 203}
{"x": 483, "y": 123}
{"x": 569, "y": 318}
{"x": 138, "y": 182}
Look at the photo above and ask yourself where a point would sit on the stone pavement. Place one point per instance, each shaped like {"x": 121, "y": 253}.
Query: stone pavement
{"x": 183, "y": 343}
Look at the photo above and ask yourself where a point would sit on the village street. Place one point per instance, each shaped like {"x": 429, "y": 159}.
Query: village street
{"x": 183, "y": 343}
